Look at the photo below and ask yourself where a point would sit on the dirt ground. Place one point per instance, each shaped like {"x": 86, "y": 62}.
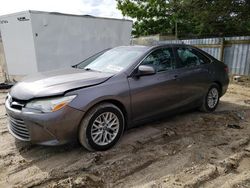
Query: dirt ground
{"x": 193, "y": 149}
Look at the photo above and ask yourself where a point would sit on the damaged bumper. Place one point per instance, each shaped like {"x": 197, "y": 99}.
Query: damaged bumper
{"x": 52, "y": 128}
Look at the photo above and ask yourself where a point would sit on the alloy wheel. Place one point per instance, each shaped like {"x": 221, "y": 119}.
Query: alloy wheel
{"x": 213, "y": 97}
{"x": 105, "y": 128}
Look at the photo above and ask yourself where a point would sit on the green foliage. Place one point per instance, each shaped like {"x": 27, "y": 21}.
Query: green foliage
{"x": 194, "y": 18}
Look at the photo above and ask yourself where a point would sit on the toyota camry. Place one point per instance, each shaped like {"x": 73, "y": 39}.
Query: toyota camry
{"x": 96, "y": 100}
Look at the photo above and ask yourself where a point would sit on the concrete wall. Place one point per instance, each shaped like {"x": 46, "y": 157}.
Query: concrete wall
{"x": 151, "y": 39}
{"x": 37, "y": 41}
{"x": 64, "y": 40}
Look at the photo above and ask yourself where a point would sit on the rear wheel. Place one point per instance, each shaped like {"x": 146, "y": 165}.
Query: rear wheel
{"x": 102, "y": 127}
{"x": 212, "y": 98}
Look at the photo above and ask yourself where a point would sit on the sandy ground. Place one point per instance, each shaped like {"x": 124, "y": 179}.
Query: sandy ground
{"x": 193, "y": 149}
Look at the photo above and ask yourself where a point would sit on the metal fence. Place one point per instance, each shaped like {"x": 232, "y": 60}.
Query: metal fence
{"x": 234, "y": 51}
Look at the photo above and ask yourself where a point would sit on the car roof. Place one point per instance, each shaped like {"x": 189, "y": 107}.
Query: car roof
{"x": 151, "y": 47}
{"x": 170, "y": 45}
{"x": 158, "y": 45}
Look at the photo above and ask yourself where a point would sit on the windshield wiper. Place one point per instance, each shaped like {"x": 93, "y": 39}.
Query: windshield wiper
{"x": 89, "y": 69}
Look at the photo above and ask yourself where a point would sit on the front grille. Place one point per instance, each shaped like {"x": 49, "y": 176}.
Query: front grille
{"x": 18, "y": 128}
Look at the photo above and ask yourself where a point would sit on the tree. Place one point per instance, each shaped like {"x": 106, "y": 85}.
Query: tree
{"x": 194, "y": 18}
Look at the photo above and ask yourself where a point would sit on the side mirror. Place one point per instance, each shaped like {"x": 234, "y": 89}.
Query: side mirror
{"x": 144, "y": 70}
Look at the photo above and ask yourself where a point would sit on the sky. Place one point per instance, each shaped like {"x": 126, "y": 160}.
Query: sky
{"x": 103, "y": 8}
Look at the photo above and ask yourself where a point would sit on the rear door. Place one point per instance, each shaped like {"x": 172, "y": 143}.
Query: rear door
{"x": 154, "y": 94}
{"x": 194, "y": 73}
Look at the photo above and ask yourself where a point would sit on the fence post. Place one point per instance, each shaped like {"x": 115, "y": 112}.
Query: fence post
{"x": 222, "y": 43}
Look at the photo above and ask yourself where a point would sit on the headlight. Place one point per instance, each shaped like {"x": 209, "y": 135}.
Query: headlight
{"x": 50, "y": 105}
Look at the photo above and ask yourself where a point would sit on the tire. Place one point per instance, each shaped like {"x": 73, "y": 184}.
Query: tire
{"x": 213, "y": 94}
{"x": 95, "y": 133}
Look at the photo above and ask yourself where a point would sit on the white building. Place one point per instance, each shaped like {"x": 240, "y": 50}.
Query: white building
{"x": 35, "y": 41}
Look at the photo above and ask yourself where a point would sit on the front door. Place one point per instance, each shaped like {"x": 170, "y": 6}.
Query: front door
{"x": 154, "y": 94}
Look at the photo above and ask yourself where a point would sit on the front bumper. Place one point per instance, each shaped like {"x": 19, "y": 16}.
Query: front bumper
{"x": 52, "y": 128}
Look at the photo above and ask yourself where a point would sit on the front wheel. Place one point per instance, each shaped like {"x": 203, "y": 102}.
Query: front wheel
{"x": 211, "y": 100}
{"x": 102, "y": 127}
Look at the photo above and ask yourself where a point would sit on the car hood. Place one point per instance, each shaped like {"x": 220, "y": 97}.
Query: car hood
{"x": 56, "y": 83}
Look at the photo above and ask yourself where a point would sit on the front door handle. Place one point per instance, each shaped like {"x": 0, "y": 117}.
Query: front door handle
{"x": 175, "y": 77}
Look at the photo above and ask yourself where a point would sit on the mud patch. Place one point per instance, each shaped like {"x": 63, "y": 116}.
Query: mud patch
{"x": 193, "y": 149}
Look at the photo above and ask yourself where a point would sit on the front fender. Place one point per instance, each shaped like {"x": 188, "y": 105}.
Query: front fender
{"x": 112, "y": 90}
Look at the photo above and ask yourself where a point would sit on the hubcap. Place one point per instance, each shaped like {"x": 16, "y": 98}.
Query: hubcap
{"x": 212, "y": 98}
{"x": 105, "y": 128}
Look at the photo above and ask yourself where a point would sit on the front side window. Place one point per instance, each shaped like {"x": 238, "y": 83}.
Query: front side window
{"x": 161, "y": 59}
{"x": 189, "y": 57}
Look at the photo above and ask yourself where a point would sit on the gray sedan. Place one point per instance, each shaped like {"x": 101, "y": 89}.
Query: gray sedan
{"x": 99, "y": 98}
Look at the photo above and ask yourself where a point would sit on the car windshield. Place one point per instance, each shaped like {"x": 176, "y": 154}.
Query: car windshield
{"x": 112, "y": 61}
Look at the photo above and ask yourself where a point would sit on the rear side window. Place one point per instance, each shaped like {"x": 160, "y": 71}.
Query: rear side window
{"x": 201, "y": 56}
{"x": 161, "y": 59}
{"x": 189, "y": 57}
